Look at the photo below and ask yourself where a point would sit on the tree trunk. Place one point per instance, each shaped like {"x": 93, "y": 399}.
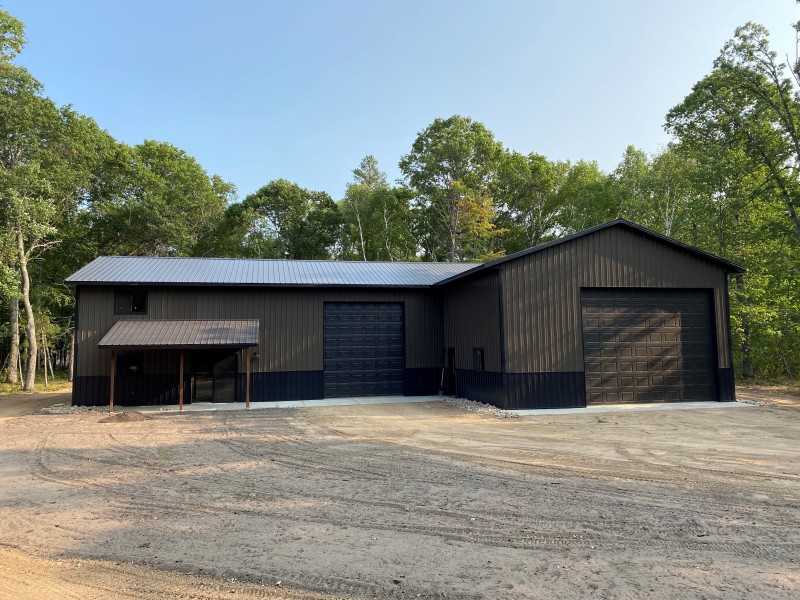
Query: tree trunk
{"x": 49, "y": 357}
{"x": 44, "y": 358}
{"x": 386, "y": 241}
{"x": 70, "y": 356}
{"x": 361, "y": 235}
{"x": 29, "y": 384}
{"x": 747, "y": 362}
{"x": 13, "y": 355}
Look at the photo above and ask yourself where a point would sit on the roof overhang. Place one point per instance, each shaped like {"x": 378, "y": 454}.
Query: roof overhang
{"x": 181, "y": 334}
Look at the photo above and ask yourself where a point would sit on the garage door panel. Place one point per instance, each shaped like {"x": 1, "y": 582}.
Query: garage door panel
{"x": 363, "y": 348}
{"x": 647, "y": 345}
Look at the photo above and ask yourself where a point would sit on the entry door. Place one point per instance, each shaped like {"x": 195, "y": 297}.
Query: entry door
{"x": 213, "y": 375}
{"x": 450, "y": 373}
{"x": 363, "y": 349}
{"x": 646, "y": 345}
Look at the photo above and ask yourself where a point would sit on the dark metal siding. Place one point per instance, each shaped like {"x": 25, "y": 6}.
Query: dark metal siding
{"x": 542, "y": 307}
{"x": 542, "y": 293}
{"x": 472, "y": 320}
{"x": 291, "y": 322}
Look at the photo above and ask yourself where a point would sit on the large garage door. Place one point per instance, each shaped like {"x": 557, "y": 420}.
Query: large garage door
{"x": 647, "y": 345}
{"x": 363, "y": 349}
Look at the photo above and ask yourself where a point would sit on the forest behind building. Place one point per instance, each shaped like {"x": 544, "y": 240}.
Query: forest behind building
{"x": 728, "y": 183}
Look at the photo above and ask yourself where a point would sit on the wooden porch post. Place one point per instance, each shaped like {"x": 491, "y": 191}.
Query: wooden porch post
{"x": 113, "y": 377}
{"x": 247, "y": 381}
{"x": 180, "y": 384}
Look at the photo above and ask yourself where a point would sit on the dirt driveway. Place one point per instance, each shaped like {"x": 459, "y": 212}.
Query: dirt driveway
{"x": 18, "y": 405}
{"x": 402, "y": 501}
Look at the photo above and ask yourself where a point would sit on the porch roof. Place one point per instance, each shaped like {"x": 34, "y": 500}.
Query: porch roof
{"x": 182, "y": 334}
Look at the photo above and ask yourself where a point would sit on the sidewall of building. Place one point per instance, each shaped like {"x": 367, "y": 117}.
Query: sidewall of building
{"x": 288, "y": 362}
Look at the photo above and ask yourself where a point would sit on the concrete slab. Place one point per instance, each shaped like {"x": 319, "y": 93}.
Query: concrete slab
{"x": 212, "y": 407}
{"x": 612, "y": 408}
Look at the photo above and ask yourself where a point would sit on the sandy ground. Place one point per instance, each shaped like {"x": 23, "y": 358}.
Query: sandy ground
{"x": 402, "y": 501}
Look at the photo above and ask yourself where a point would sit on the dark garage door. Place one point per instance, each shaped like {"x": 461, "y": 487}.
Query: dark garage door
{"x": 363, "y": 349}
{"x": 647, "y": 345}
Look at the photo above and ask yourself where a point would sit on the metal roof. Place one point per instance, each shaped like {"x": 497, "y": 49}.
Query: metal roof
{"x": 181, "y": 334}
{"x": 133, "y": 270}
{"x": 727, "y": 265}
{"x": 157, "y": 270}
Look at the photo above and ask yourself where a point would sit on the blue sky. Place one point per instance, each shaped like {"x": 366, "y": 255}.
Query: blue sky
{"x": 258, "y": 90}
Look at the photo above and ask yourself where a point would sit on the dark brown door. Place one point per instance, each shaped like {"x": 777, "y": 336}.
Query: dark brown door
{"x": 363, "y": 349}
{"x": 645, "y": 345}
{"x": 450, "y": 373}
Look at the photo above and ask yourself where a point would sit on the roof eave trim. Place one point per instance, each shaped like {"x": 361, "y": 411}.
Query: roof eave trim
{"x": 174, "y": 346}
{"x": 248, "y": 285}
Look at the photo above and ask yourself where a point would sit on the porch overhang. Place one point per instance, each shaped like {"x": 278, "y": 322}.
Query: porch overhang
{"x": 181, "y": 334}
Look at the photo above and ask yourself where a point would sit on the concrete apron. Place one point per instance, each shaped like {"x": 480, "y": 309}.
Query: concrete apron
{"x": 213, "y": 407}
{"x": 625, "y": 408}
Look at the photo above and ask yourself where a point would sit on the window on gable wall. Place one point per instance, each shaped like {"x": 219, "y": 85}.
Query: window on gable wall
{"x": 130, "y": 303}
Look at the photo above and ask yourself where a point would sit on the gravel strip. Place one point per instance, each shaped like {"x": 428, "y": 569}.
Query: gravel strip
{"x": 480, "y": 408}
{"x": 69, "y": 409}
{"x": 753, "y": 402}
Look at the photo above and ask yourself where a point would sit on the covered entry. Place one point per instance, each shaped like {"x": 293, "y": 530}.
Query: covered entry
{"x": 202, "y": 353}
{"x": 648, "y": 345}
{"x": 363, "y": 349}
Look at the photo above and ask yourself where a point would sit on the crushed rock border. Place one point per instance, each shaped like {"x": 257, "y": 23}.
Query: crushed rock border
{"x": 69, "y": 409}
{"x": 753, "y": 402}
{"x": 480, "y": 408}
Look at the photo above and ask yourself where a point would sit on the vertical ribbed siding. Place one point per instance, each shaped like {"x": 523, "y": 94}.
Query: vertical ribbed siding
{"x": 542, "y": 313}
{"x": 290, "y": 336}
{"x": 472, "y": 320}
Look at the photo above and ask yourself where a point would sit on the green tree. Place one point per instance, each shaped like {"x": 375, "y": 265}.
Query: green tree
{"x": 156, "y": 200}
{"x": 377, "y": 218}
{"x": 451, "y": 167}
{"x": 48, "y": 159}
{"x": 739, "y": 123}
{"x": 673, "y": 191}
{"x": 749, "y": 102}
{"x": 34, "y": 155}
{"x": 586, "y": 196}
{"x": 281, "y": 220}
{"x": 526, "y": 191}
{"x": 12, "y": 36}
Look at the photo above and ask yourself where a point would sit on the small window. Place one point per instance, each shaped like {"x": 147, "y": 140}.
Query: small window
{"x": 477, "y": 360}
{"x": 130, "y": 303}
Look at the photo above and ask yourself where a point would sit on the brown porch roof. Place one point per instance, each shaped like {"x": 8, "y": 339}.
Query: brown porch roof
{"x": 182, "y": 334}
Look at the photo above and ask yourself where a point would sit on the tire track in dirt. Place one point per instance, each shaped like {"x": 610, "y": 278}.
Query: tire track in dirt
{"x": 584, "y": 537}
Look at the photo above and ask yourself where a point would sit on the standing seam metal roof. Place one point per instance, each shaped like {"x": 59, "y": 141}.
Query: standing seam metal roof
{"x": 181, "y": 334}
{"x": 237, "y": 271}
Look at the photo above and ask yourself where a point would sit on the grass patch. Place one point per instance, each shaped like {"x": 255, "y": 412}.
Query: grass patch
{"x": 247, "y": 496}
{"x": 61, "y": 383}
{"x": 163, "y": 454}
{"x": 784, "y": 386}
{"x": 189, "y": 487}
